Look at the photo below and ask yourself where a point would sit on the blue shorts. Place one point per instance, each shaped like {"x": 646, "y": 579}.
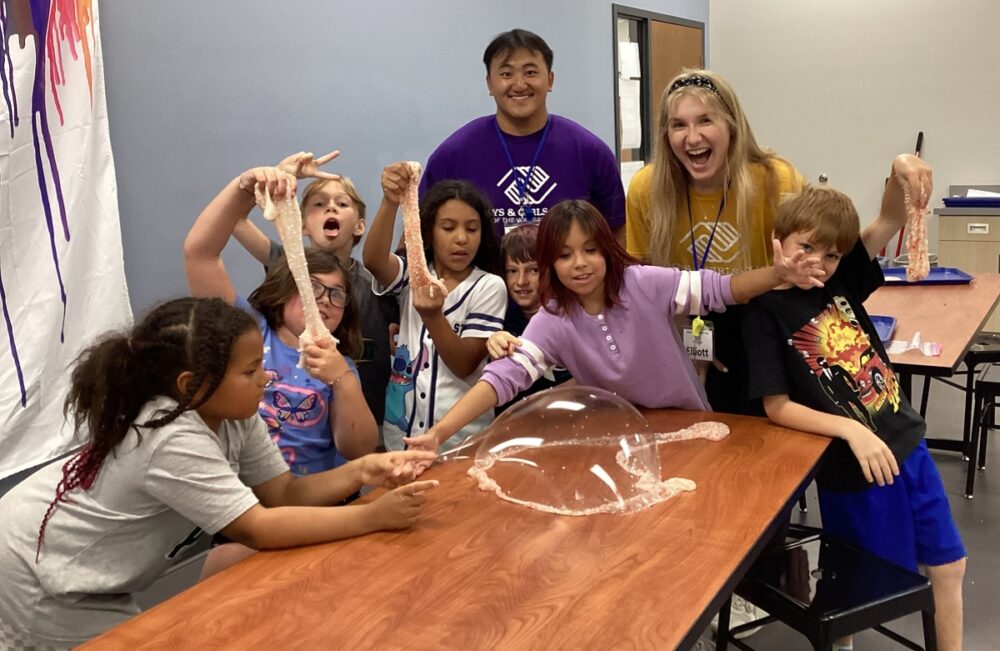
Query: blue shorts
{"x": 908, "y": 523}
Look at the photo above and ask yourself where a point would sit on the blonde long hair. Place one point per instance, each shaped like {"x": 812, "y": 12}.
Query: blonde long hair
{"x": 670, "y": 182}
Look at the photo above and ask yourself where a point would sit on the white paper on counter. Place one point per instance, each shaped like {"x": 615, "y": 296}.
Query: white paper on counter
{"x": 973, "y": 192}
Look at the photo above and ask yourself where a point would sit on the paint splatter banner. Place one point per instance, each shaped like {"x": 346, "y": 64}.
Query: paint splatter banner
{"x": 62, "y": 277}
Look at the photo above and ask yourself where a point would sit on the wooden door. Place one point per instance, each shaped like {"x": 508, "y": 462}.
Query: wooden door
{"x": 672, "y": 48}
{"x": 650, "y": 49}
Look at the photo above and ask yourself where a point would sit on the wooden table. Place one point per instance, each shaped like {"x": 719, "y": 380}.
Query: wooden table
{"x": 481, "y": 573}
{"x": 949, "y": 314}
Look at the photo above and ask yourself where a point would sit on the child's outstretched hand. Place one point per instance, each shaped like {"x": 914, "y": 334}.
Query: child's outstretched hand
{"x": 323, "y": 361}
{"x": 303, "y": 166}
{"x": 916, "y": 178}
{"x": 799, "y": 270}
{"x": 426, "y": 442}
{"x": 502, "y": 344}
{"x": 877, "y": 461}
{"x": 392, "y": 469}
{"x": 399, "y": 508}
{"x": 395, "y": 180}
{"x": 275, "y": 181}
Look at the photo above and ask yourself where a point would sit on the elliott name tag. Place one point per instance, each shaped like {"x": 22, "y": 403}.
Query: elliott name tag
{"x": 702, "y": 347}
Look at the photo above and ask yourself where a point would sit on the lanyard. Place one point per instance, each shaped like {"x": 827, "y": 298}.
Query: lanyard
{"x": 711, "y": 237}
{"x": 522, "y": 181}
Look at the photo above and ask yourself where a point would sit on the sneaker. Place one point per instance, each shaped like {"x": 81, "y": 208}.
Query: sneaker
{"x": 744, "y": 612}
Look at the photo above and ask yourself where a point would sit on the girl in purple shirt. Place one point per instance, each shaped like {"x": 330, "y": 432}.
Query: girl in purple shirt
{"x": 608, "y": 320}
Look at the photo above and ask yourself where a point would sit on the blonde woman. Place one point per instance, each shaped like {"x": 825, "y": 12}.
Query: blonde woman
{"x": 709, "y": 201}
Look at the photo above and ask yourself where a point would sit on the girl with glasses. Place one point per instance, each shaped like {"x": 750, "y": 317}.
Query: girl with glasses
{"x": 317, "y": 414}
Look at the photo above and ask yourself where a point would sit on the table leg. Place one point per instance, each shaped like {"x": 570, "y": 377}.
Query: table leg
{"x": 925, "y": 394}
{"x": 979, "y": 425}
{"x": 952, "y": 444}
{"x": 722, "y": 632}
{"x": 970, "y": 389}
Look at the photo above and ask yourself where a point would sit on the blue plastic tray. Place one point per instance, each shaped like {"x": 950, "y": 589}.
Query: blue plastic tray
{"x": 884, "y": 326}
{"x": 936, "y": 276}
{"x": 972, "y": 202}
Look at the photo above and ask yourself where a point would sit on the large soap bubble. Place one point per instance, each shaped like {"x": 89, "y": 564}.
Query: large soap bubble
{"x": 573, "y": 451}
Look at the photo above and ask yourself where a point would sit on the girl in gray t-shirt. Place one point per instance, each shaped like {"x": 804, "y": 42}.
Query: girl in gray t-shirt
{"x": 173, "y": 448}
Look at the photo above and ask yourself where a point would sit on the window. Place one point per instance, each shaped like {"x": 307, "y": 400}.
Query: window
{"x": 650, "y": 49}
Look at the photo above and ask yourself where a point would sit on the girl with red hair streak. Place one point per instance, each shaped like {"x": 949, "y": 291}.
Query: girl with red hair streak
{"x": 173, "y": 448}
{"x": 601, "y": 312}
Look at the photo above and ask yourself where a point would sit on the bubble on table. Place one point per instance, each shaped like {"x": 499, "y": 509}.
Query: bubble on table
{"x": 573, "y": 451}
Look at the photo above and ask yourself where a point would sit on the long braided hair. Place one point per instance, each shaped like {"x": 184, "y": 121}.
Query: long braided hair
{"x": 113, "y": 378}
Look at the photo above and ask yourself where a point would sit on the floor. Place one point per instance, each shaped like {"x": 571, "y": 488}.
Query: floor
{"x": 978, "y": 520}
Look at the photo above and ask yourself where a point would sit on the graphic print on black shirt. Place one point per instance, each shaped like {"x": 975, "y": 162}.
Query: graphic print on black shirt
{"x": 846, "y": 365}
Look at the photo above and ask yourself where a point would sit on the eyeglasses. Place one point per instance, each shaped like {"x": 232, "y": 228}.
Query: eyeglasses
{"x": 336, "y": 296}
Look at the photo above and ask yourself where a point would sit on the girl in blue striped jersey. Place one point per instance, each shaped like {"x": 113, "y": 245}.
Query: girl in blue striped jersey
{"x": 441, "y": 350}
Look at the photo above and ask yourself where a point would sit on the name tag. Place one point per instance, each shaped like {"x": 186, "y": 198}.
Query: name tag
{"x": 700, "y": 348}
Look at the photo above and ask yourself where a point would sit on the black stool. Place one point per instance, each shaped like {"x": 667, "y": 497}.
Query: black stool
{"x": 985, "y": 349}
{"x": 827, "y": 589}
{"x": 987, "y": 393}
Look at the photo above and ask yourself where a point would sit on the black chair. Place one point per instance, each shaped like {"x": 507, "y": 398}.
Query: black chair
{"x": 987, "y": 393}
{"x": 827, "y": 589}
{"x": 985, "y": 349}
{"x": 983, "y": 352}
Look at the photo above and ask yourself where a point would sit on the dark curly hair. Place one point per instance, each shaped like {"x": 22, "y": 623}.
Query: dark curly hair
{"x": 114, "y": 377}
{"x": 278, "y": 287}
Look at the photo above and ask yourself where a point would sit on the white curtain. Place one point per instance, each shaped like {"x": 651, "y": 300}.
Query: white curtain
{"x": 61, "y": 270}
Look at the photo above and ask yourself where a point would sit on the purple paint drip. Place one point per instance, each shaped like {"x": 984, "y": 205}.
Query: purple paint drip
{"x": 7, "y": 72}
{"x": 39, "y": 17}
{"x": 48, "y": 220}
{"x": 13, "y": 344}
{"x": 7, "y": 76}
{"x": 54, "y": 166}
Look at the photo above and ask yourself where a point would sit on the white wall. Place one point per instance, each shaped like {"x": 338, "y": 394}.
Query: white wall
{"x": 199, "y": 91}
{"x": 840, "y": 87}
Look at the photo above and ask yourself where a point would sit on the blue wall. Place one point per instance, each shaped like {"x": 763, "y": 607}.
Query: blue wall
{"x": 199, "y": 91}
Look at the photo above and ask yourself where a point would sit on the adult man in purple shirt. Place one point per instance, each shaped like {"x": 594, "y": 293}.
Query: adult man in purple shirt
{"x": 525, "y": 159}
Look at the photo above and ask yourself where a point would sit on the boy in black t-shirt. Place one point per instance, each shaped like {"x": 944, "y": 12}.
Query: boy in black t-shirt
{"x": 817, "y": 362}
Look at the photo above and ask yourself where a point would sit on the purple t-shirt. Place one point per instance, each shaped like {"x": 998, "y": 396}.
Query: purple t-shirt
{"x": 631, "y": 349}
{"x": 573, "y": 163}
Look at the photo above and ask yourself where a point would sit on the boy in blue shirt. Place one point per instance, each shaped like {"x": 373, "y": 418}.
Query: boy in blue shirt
{"x": 817, "y": 362}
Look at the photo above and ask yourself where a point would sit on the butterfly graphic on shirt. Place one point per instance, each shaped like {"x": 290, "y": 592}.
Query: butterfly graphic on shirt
{"x": 302, "y": 411}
